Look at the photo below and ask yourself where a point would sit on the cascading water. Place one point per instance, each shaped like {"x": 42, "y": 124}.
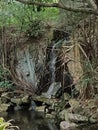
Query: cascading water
{"x": 53, "y": 59}
{"x": 54, "y": 85}
{"x": 52, "y": 63}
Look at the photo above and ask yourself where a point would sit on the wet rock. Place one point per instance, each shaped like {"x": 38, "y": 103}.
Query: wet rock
{"x": 92, "y": 120}
{"x": 25, "y": 99}
{"x": 50, "y": 116}
{"x": 32, "y": 106}
{"x": 54, "y": 87}
{"x": 16, "y": 108}
{"x": 65, "y": 125}
{"x": 42, "y": 100}
{"x": 40, "y": 109}
{"x": 17, "y": 101}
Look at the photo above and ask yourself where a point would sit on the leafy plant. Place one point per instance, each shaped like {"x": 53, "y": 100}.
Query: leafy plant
{"x": 4, "y": 124}
{"x": 36, "y": 28}
{"x": 4, "y": 82}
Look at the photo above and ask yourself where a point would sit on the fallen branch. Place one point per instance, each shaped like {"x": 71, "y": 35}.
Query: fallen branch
{"x": 58, "y": 5}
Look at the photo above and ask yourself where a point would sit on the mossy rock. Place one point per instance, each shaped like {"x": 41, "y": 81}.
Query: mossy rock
{"x": 17, "y": 101}
{"x": 4, "y": 107}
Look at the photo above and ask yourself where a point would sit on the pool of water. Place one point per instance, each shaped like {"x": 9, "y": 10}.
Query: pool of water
{"x": 30, "y": 120}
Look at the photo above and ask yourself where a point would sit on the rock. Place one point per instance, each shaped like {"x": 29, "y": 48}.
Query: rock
{"x": 54, "y": 87}
{"x": 16, "y": 108}
{"x": 66, "y": 96}
{"x": 92, "y": 120}
{"x": 75, "y": 106}
{"x": 4, "y": 107}
{"x": 50, "y": 116}
{"x": 76, "y": 118}
{"x": 25, "y": 99}
{"x": 40, "y": 109}
{"x": 5, "y": 97}
{"x": 65, "y": 125}
{"x": 62, "y": 114}
{"x": 17, "y": 101}
{"x": 32, "y": 106}
{"x": 41, "y": 99}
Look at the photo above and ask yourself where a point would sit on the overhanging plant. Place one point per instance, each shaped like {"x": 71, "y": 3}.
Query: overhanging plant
{"x": 4, "y": 125}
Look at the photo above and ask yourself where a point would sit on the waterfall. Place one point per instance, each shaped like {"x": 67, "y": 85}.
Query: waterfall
{"x": 52, "y": 63}
{"x": 54, "y": 86}
{"x": 53, "y": 59}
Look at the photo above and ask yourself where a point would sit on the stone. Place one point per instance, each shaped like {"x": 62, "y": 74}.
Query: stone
{"x": 40, "y": 109}
{"x": 65, "y": 125}
{"x": 32, "y": 106}
{"x": 66, "y": 96}
{"x": 5, "y": 97}
{"x": 16, "y": 108}
{"x": 17, "y": 101}
{"x": 54, "y": 87}
{"x": 74, "y": 103}
{"x": 75, "y": 106}
{"x": 62, "y": 114}
{"x": 41, "y": 99}
{"x": 70, "y": 117}
{"x": 76, "y": 118}
{"x": 25, "y": 99}
{"x": 4, "y": 107}
{"x": 50, "y": 116}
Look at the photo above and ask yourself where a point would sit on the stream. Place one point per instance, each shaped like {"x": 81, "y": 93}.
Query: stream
{"x": 30, "y": 120}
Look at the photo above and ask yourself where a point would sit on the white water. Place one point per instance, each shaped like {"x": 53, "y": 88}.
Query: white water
{"x": 53, "y": 62}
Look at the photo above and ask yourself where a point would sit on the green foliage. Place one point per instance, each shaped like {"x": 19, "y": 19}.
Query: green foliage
{"x": 15, "y": 13}
{"x": 4, "y": 82}
{"x": 4, "y": 124}
{"x": 35, "y": 29}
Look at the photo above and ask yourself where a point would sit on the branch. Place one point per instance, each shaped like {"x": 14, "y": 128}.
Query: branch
{"x": 93, "y": 4}
{"x": 58, "y": 5}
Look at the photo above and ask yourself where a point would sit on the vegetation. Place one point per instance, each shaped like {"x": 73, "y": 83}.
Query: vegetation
{"x": 6, "y": 125}
{"x": 31, "y": 17}
{"x": 4, "y": 82}
{"x": 49, "y": 44}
